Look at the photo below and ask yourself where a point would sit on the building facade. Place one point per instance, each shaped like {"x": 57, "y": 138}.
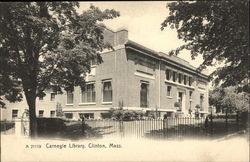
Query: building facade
{"x": 45, "y": 107}
{"x": 131, "y": 76}
{"x": 138, "y": 78}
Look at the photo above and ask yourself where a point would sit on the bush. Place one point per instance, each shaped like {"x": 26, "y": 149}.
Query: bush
{"x": 126, "y": 115}
{"x": 6, "y": 125}
{"x": 107, "y": 115}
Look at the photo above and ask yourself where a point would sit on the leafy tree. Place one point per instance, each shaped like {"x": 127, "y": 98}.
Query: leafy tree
{"x": 228, "y": 100}
{"x": 45, "y": 45}
{"x": 219, "y": 31}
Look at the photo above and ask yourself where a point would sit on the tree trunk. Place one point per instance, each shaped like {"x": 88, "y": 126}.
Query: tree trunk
{"x": 31, "y": 100}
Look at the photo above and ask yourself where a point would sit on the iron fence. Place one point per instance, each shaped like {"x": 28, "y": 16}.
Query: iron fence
{"x": 161, "y": 128}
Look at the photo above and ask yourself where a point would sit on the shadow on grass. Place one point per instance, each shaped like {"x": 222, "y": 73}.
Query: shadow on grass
{"x": 77, "y": 131}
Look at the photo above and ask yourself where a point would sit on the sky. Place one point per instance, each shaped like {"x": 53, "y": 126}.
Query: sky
{"x": 143, "y": 22}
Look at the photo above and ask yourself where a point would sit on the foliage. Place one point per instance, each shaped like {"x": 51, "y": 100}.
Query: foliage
{"x": 227, "y": 99}
{"x": 177, "y": 104}
{"x": 219, "y": 31}
{"x": 47, "y": 44}
{"x": 121, "y": 114}
{"x": 197, "y": 106}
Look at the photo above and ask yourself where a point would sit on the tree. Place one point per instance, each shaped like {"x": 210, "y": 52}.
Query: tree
{"x": 219, "y": 31}
{"x": 228, "y": 100}
{"x": 45, "y": 45}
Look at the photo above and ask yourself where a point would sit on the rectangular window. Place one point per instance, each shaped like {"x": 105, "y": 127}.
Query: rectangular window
{"x": 107, "y": 91}
{"x": 180, "y": 78}
{"x": 52, "y": 96}
{"x": 93, "y": 62}
{"x": 185, "y": 80}
{"x": 174, "y": 76}
{"x": 69, "y": 115}
{"x": 201, "y": 101}
{"x": 40, "y": 113}
{"x": 190, "y": 81}
{"x": 190, "y": 94}
{"x": 88, "y": 93}
{"x": 86, "y": 115}
{"x": 52, "y": 114}
{"x": 168, "y": 74}
{"x": 144, "y": 95}
{"x": 14, "y": 114}
{"x": 70, "y": 97}
{"x": 169, "y": 90}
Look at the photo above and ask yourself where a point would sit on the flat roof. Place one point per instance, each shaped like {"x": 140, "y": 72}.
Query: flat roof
{"x": 160, "y": 55}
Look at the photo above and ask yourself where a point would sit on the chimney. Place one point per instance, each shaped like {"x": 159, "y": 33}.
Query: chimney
{"x": 121, "y": 36}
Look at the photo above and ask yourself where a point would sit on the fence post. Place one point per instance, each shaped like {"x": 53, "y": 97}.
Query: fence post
{"x": 18, "y": 127}
{"x": 4, "y": 125}
{"x": 83, "y": 123}
{"x": 164, "y": 128}
{"x": 237, "y": 120}
{"x": 121, "y": 127}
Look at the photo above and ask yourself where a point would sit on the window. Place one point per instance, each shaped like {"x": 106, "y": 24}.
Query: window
{"x": 88, "y": 93}
{"x": 70, "y": 97}
{"x": 185, "y": 79}
{"x": 52, "y": 113}
{"x": 40, "y": 113}
{"x": 107, "y": 91}
{"x": 190, "y": 81}
{"x": 190, "y": 94}
{"x": 201, "y": 101}
{"x": 174, "y": 76}
{"x": 52, "y": 96}
{"x": 190, "y": 105}
{"x": 69, "y": 115}
{"x": 86, "y": 115}
{"x": 144, "y": 95}
{"x": 14, "y": 114}
{"x": 168, "y": 74}
{"x": 93, "y": 62}
{"x": 169, "y": 90}
{"x": 180, "y": 78}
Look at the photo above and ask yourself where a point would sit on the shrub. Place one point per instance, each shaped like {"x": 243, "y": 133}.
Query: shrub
{"x": 107, "y": 115}
{"x": 197, "y": 106}
{"x": 120, "y": 114}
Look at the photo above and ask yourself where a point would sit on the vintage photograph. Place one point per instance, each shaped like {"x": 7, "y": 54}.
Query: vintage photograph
{"x": 124, "y": 81}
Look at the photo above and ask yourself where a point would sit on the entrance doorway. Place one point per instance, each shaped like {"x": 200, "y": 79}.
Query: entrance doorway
{"x": 181, "y": 100}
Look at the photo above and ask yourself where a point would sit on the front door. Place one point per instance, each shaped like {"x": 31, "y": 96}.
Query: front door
{"x": 181, "y": 100}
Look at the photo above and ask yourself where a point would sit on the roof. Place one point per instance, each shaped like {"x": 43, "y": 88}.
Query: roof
{"x": 160, "y": 55}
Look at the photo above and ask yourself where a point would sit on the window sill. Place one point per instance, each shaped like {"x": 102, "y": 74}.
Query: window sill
{"x": 69, "y": 104}
{"x": 87, "y": 103}
{"x": 107, "y": 103}
{"x": 169, "y": 97}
